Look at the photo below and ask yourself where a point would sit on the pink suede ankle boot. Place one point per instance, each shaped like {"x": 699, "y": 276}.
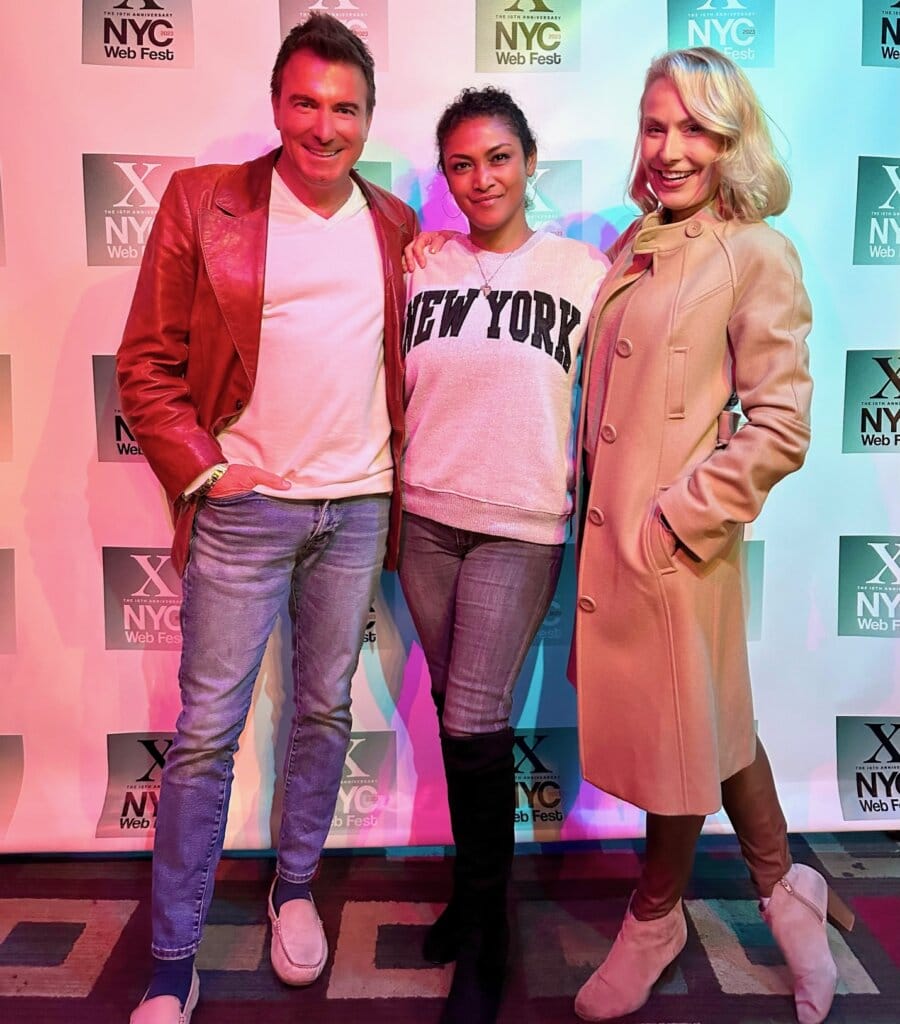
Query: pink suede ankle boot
{"x": 641, "y": 952}
{"x": 796, "y": 914}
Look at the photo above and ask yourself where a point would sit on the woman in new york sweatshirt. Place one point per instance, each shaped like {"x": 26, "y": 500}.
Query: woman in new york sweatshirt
{"x": 494, "y": 325}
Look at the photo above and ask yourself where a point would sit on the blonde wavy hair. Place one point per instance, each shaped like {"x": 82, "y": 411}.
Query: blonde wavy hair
{"x": 753, "y": 181}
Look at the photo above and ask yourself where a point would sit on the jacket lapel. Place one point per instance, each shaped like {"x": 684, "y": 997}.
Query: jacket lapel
{"x": 391, "y": 235}
{"x": 388, "y": 229}
{"x": 233, "y": 227}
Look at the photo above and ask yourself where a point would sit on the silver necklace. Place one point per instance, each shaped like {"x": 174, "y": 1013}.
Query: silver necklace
{"x": 486, "y": 287}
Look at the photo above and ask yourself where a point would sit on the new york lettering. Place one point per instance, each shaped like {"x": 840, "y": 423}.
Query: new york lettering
{"x": 531, "y": 317}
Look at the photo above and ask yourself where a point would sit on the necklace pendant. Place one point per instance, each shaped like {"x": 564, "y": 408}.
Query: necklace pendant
{"x": 486, "y": 290}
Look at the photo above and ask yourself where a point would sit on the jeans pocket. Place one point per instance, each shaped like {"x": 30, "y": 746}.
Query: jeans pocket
{"x": 229, "y": 499}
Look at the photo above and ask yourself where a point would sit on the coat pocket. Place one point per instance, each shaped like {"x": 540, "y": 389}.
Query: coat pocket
{"x": 661, "y": 545}
{"x": 676, "y": 383}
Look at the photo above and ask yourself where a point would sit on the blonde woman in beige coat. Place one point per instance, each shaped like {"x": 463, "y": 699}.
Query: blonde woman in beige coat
{"x": 704, "y": 300}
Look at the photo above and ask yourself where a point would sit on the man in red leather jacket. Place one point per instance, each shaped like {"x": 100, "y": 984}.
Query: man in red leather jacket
{"x": 260, "y": 372}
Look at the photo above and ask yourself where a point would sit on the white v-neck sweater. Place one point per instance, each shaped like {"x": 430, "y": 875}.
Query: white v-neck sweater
{"x": 489, "y": 385}
{"x": 318, "y": 413}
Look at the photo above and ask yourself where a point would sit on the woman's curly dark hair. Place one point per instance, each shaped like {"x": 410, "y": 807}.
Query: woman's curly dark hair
{"x": 486, "y": 102}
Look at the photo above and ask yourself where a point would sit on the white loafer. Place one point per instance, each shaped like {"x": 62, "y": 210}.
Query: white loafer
{"x": 299, "y": 947}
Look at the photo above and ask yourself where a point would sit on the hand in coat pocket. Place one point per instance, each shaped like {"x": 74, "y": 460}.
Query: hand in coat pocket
{"x": 663, "y": 543}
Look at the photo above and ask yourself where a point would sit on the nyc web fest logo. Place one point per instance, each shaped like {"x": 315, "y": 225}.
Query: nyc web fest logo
{"x": 115, "y": 441}
{"x": 6, "y": 431}
{"x": 556, "y": 629}
{"x": 877, "y": 238}
{"x": 370, "y": 629}
{"x": 743, "y": 31}
{"x": 872, "y": 402}
{"x": 869, "y": 587}
{"x": 528, "y": 35}
{"x": 12, "y": 771}
{"x": 121, "y": 198}
{"x": 367, "y": 18}
{"x": 142, "y": 600}
{"x": 881, "y": 34}
{"x": 7, "y": 601}
{"x": 754, "y": 567}
{"x": 2, "y": 231}
{"x": 379, "y": 172}
{"x": 868, "y": 760}
{"x": 547, "y": 778}
{"x": 138, "y": 33}
{"x": 368, "y": 784}
{"x": 135, "y": 761}
{"x": 554, "y": 195}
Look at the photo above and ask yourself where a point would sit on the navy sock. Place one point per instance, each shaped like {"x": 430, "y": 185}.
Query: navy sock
{"x": 285, "y": 891}
{"x": 171, "y": 978}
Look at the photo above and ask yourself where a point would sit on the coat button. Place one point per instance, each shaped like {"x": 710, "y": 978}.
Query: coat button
{"x": 693, "y": 228}
{"x": 624, "y": 348}
{"x": 596, "y": 516}
{"x": 609, "y": 433}
{"x": 239, "y": 404}
{"x": 587, "y": 604}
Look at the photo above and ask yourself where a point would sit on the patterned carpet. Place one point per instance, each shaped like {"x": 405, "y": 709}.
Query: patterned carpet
{"x": 74, "y": 934}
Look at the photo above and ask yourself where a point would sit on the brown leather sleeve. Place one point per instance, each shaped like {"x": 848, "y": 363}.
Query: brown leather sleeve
{"x": 152, "y": 358}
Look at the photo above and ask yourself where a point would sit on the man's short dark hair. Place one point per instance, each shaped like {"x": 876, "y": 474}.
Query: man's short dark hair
{"x": 331, "y": 40}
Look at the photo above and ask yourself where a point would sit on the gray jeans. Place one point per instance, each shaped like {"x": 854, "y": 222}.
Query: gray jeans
{"x": 477, "y": 602}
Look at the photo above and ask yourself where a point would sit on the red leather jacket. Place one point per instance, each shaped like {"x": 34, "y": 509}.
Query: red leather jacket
{"x": 187, "y": 362}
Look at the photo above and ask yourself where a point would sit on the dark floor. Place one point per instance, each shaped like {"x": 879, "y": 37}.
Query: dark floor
{"x": 74, "y": 935}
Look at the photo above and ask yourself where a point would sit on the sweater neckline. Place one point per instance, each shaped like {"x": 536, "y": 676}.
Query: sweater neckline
{"x": 488, "y": 256}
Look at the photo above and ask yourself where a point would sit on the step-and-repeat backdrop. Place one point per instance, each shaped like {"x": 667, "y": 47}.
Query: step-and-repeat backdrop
{"x": 104, "y": 99}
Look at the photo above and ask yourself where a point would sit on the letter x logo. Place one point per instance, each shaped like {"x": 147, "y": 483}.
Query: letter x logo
{"x": 536, "y": 765}
{"x": 885, "y": 741}
{"x": 891, "y": 564}
{"x": 338, "y": 5}
{"x": 893, "y": 172}
{"x": 893, "y": 377}
{"x": 540, "y": 204}
{"x": 728, "y": 5}
{"x": 157, "y": 756}
{"x": 537, "y": 7}
{"x": 149, "y": 5}
{"x": 145, "y": 196}
{"x": 154, "y": 576}
{"x": 351, "y": 769}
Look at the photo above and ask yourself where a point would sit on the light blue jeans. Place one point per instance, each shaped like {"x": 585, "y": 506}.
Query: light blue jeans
{"x": 250, "y": 553}
{"x": 477, "y": 602}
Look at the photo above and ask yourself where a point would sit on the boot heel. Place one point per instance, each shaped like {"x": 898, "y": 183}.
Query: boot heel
{"x": 839, "y": 914}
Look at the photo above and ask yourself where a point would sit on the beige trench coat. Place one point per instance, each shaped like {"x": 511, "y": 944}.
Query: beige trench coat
{"x": 660, "y": 659}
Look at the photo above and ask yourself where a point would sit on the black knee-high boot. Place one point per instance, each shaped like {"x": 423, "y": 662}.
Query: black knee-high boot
{"x": 481, "y": 792}
{"x": 443, "y": 937}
